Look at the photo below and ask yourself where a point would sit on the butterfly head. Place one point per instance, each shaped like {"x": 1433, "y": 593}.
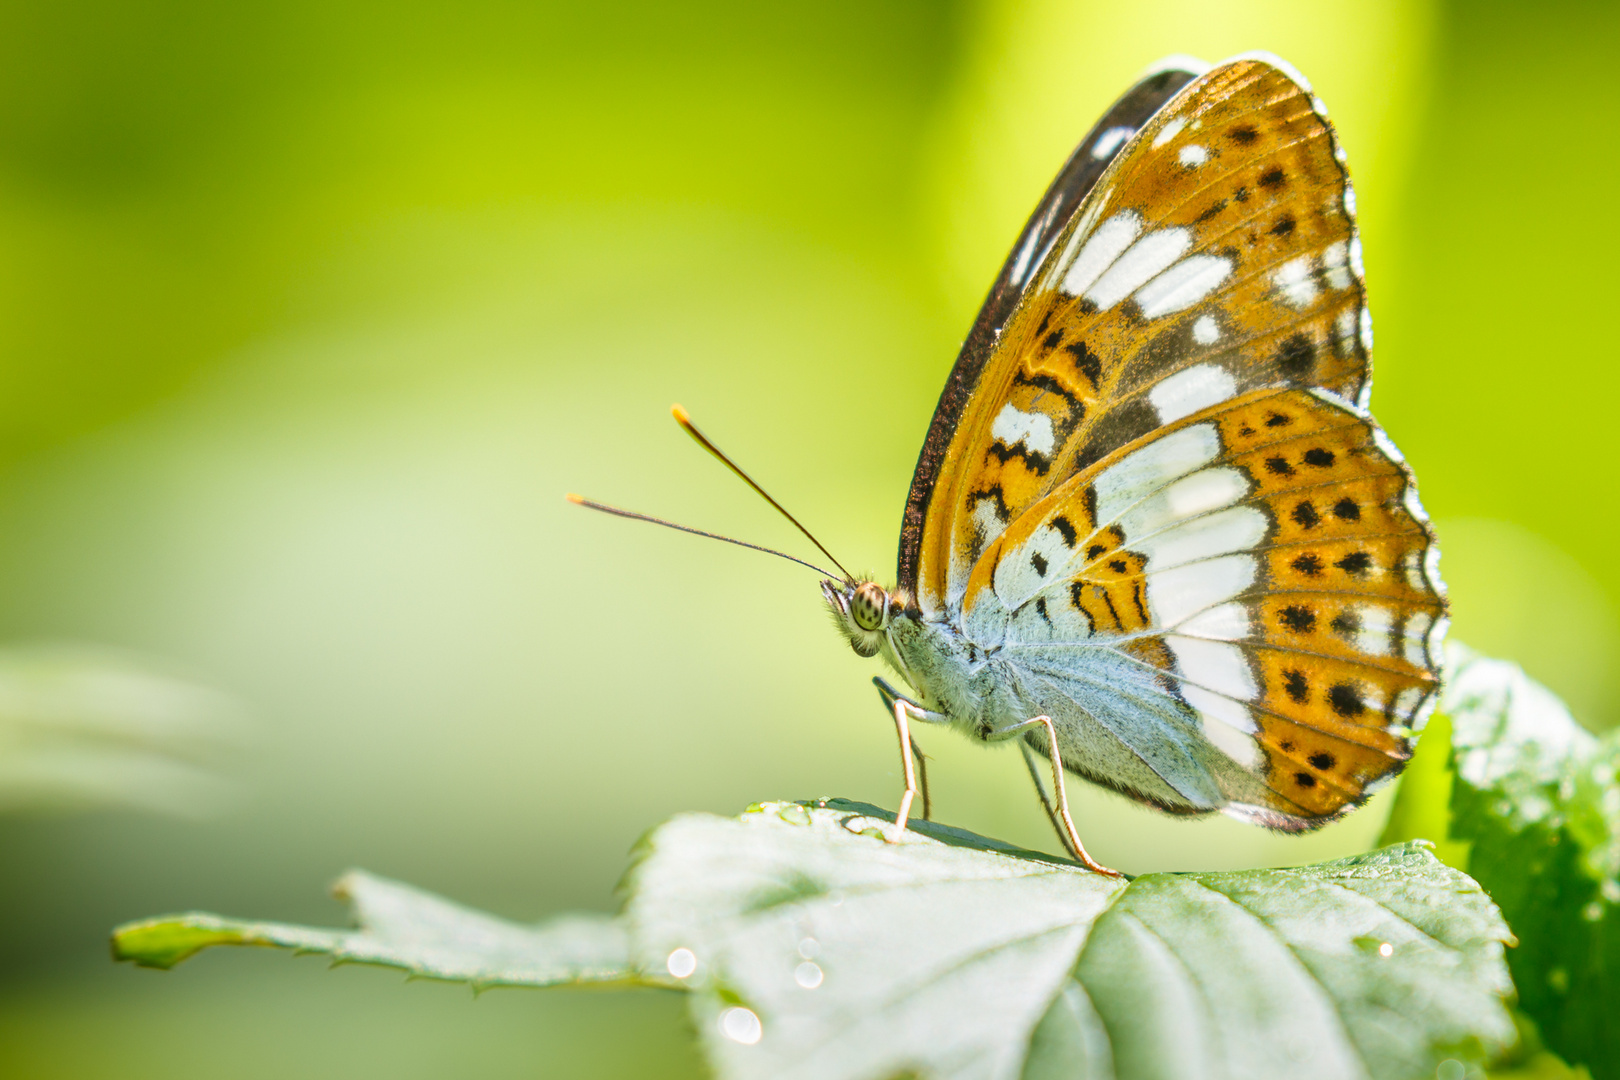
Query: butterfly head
{"x": 861, "y": 609}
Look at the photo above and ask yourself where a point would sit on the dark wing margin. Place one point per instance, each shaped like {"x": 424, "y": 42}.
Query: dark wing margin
{"x": 1074, "y": 182}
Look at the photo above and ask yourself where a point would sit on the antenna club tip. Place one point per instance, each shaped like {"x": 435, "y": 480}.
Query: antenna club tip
{"x": 681, "y": 416}
{"x": 577, "y": 500}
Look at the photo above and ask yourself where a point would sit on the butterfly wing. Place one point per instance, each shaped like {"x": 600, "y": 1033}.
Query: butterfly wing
{"x": 1161, "y": 500}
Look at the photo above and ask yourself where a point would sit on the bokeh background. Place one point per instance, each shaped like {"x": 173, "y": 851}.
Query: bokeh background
{"x": 311, "y": 312}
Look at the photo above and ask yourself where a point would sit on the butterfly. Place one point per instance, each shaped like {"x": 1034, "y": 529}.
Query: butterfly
{"x": 1153, "y": 534}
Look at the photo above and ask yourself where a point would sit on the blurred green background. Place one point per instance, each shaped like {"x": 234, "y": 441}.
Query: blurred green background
{"x": 310, "y": 313}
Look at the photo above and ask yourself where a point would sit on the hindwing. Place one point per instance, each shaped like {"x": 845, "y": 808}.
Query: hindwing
{"x": 1267, "y": 561}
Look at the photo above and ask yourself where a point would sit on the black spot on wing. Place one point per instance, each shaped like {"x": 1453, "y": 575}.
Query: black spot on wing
{"x": 1279, "y": 466}
{"x": 1066, "y": 529}
{"x": 1095, "y": 550}
{"x": 1309, "y": 564}
{"x": 1322, "y": 760}
{"x": 1051, "y": 340}
{"x": 1296, "y": 356}
{"x": 1346, "y": 700}
{"x": 1346, "y": 623}
{"x": 1298, "y": 689}
{"x": 1278, "y": 419}
{"x": 1297, "y": 618}
{"x": 1284, "y": 226}
{"x": 1347, "y": 510}
{"x": 1306, "y": 516}
{"x": 1243, "y": 136}
{"x": 1215, "y": 208}
{"x": 1304, "y": 779}
{"x": 1272, "y": 178}
{"x": 1355, "y": 564}
{"x": 1038, "y": 561}
{"x": 1319, "y": 456}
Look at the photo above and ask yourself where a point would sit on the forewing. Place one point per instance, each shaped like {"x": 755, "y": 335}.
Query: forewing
{"x": 1052, "y": 215}
{"x": 1267, "y": 560}
{"x": 1216, "y": 254}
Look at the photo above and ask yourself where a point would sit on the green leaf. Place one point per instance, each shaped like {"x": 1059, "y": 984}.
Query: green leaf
{"x": 1536, "y": 798}
{"x": 815, "y": 948}
{"x": 406, "y": 928}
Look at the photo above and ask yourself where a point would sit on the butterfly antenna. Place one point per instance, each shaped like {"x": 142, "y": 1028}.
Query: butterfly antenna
{"x": 580, "y": 500}
{"x": 685, "y": 421}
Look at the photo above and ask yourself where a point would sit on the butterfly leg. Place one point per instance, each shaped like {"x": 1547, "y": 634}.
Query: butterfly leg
{"x": 1046, "y": 803}
{"x": 1058, "y": 808}
{"x": 922, "y": 779}
{"x": 904, "y": 711}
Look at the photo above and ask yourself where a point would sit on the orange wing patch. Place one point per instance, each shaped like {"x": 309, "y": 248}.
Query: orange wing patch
{"x": 1341, "y": 630}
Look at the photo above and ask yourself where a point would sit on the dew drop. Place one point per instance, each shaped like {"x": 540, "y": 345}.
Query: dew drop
{"x": 807, "y": 975}
{"x": 741, "y": 1025}
{"x": 1450, "y": 1069}
{"x": 809, "y": 948}
{"x": 681, "y": 963}
{"x": 1386, "y": 950}
{"x": 1593, "y": 912}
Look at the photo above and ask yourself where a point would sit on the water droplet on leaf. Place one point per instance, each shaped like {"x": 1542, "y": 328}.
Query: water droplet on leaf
{"x": 741, "y": 1025}
{"x": 681, "y": 963}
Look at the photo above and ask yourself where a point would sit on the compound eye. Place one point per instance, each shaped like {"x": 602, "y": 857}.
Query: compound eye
{"x": 867, "y": 606}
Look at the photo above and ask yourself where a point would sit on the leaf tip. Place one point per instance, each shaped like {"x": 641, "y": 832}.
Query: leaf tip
{"x": 165, "y": 941}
